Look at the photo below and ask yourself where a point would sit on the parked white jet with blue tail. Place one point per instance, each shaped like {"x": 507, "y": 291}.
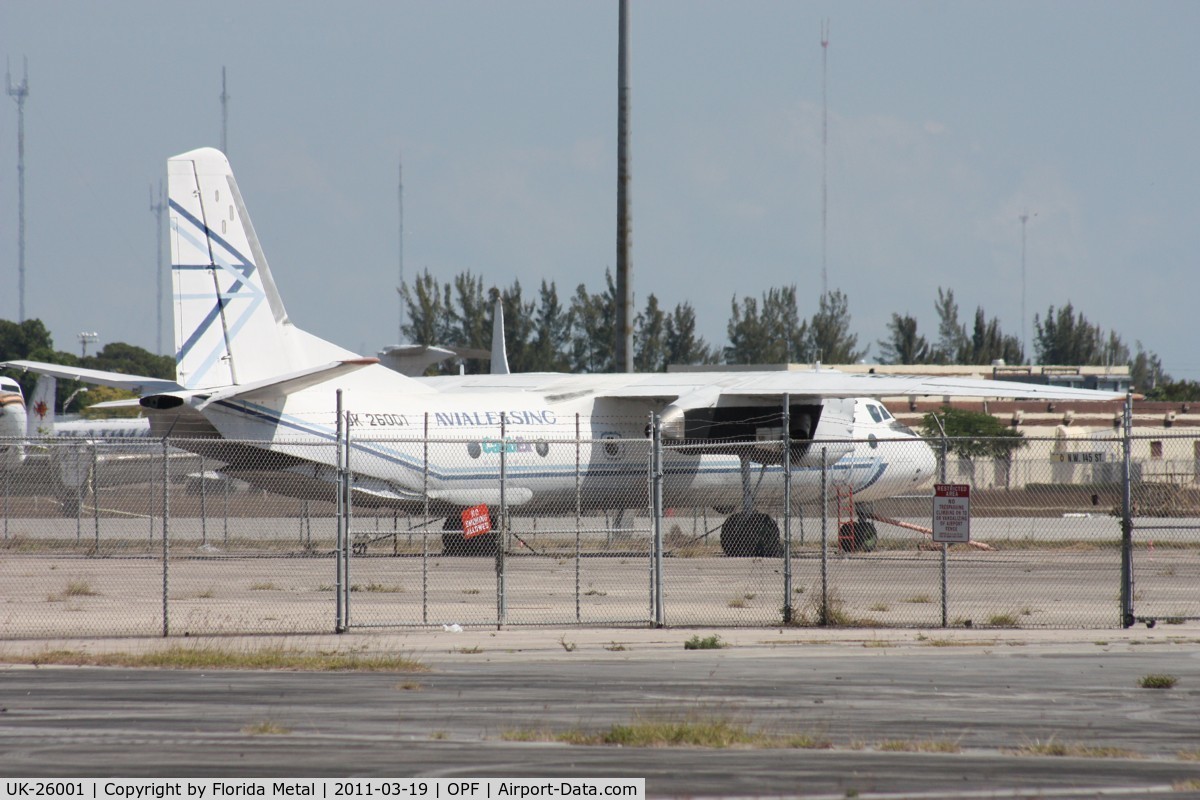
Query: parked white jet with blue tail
{"x": 254, "y": 391}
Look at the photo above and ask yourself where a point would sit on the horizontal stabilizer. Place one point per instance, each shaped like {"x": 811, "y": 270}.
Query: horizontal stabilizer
{"x": 287, "y": 384}
{"x": 139, "y": 384}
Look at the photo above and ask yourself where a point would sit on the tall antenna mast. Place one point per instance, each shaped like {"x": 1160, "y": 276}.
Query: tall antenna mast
{"x": 158, "y": 204}
{"x": 224, "y": 115}
{"x": 19, "y": 93}
{"x": 624, "y": 315}
{"x": 400, "y": 285}
{"x": 824, "y": 155}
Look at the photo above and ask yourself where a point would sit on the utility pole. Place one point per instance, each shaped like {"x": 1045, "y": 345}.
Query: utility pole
{"x": 1024, "y": 217}
{"x": 158, "y": 205}
{"x": 224, "y": 116}
{"x": 19, "y": 93}
{"x": 824, "y": 156}
{"x": 624, "y": 321}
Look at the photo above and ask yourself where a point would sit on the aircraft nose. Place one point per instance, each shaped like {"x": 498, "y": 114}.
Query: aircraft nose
{"x": 924, "y": 463}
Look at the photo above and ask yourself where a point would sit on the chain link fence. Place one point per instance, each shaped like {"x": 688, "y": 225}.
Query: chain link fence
{"x": 121, "y": 538}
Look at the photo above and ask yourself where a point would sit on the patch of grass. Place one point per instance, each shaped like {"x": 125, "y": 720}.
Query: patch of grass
{"x": 834, "y": 613}
{"x": 439, "y": 735}
{"x": 528, "y": 735}
{"x": 595, "y": 593}
{"x": 948, "y": 642}
{"x": 918, "y": 746}
{"x": 266, "y": 728}
{"x": 409, "y": 686}
{"x": 1157, "y": 681}
{"x": 216, "y": 658}
{"x": 713, "y": 642}
{"x": 919, "y": 598}
{"x": 471, "y": 651}
{"x": 207, "y": 594}
{"x": 79, "y": 588}
{"x": 737, "y": 602}
{"x": 1177, "y": 619}
{"x": 568, "y": 646}
{"x": 880, "y": 607}
{"x": 616, "y": 647}
{"x": 1188, "y": 755}
{"x": 876, "y": 643}
{"x": 693, "y": 730}
{"x": 264, "y": 586}
{"x": 1003, "y": 621}
{"x": 470, "y": 591}
{"x": 381, "y": 588}
{"x": 1055, "y": 747}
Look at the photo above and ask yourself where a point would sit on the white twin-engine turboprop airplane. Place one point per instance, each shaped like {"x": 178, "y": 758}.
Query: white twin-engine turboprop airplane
{"x": 254, "y": 391}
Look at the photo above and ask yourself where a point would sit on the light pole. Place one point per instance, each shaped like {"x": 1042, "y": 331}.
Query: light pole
{"x": 85, "y": 338}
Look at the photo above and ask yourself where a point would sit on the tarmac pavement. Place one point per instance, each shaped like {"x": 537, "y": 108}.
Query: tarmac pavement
{"x": 988, "y": 696}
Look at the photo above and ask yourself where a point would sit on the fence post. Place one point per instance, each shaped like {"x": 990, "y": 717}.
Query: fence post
{"x": 338, "y": 626}
{"x": 348, "y": 526}
{"x": 657, "y": 511}
{"x": 425, "y": 526}
{"x": 578, "y": 522}
{"x": 502, "y": 534}
{"x": 96, "y": 495}
{"x": 1127, "y": 618}
{"x": 166, "y": 538}
{"x": 824, "y": 537}
{"x": 787, "y": 509}
{"x": 203, "y": 504}
{"x": 942, "y": 478}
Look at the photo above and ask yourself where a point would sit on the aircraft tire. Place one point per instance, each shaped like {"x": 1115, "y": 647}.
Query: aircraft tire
{"x": 748, "y": 535}
{"x": 862, "y": 538}
{"x": 71, "y": 505}
{"x": 455, "y": 544}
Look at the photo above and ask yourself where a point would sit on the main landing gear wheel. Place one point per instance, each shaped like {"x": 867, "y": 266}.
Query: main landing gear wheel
{"x": 857, "y": 537}
{"x": 455, "y": 544}
{"x": 750, "y": 534}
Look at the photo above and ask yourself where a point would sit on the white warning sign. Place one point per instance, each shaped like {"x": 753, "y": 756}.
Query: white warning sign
{"x": 952, "y": 513}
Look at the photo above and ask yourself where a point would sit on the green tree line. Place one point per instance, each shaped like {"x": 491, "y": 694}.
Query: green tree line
{"x": 546, "y": 332}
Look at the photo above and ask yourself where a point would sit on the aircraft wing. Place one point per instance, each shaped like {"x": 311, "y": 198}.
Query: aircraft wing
{"x": 834, "y": 384}
{"x": 130, "y": 383}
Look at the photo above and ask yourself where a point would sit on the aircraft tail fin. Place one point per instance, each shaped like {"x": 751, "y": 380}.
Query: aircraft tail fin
{"x": 499, "y": 348}
{"x": 41, "y": 407}
{"x": 230, "y": 324}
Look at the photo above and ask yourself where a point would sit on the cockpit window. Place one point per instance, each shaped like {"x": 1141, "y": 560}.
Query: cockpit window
{"x": 874, "y": 410}
{"x": 886, "y": 414}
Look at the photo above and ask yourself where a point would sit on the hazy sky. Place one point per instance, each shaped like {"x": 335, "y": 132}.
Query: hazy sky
{"x": 946, "y": 121}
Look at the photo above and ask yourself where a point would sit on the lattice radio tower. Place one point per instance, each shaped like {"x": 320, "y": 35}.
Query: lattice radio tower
{"x": 19, "y": 93}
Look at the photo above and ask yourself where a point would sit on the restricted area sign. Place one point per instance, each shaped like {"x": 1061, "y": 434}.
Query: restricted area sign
{"x": 952, "y": 513}
{"x": 475, "y": 521}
